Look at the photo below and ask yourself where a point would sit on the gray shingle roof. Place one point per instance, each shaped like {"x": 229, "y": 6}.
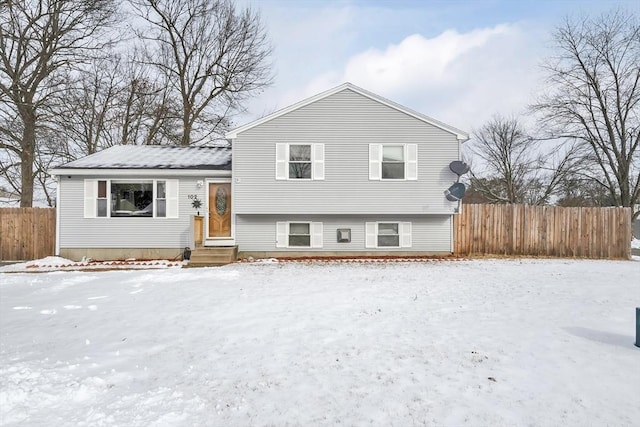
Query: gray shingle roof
{"x": 155, "y": 157}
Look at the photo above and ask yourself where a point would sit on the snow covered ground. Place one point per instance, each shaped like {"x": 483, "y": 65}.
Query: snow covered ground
{"x": 486, "y": 342}
{"x": 55, "y": 263}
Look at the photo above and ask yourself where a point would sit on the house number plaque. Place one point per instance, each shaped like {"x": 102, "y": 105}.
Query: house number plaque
{"x": 195, "y": 202}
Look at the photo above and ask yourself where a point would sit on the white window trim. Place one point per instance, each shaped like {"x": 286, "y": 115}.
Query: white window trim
{"x": 317, "y": 161}
{"x": 316, "y": 229}
{"x": 375, "y": 164}
{"x": 405, "y": 230}
{"x": 174, "y": 199}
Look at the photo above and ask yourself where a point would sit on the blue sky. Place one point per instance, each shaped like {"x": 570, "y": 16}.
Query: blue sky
{"x": 457, "y": 61}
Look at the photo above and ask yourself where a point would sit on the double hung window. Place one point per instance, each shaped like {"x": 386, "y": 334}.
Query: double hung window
{"x": 388, "y": 234}
{"x": 392, "y": 162}
{"x": 102, "y": 200}
{"x": 161, "y": 199}
{"x": 389, "y": 162}
{"x": 300, "y": 162}
{"x": 298, "y": 234}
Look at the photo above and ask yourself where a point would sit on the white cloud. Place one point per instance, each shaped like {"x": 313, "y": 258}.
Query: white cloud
{"x": 416, "y": 60}
{"x": 459, "y": 78}
{"x": 412, "y": 56}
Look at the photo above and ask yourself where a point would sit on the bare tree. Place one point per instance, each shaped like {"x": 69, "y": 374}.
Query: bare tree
{"x": 148, "y": 113}
{"x": 114, "y": 101}
{"x": 86, "y": 105}
{"x": 578, "y": 190}
{"x": 10, "y": 129}
{"x": 594, "y": 96}
{"x": 213, "y": 55}
{"x": 48, "y": 155}
{"x": 38, "y": 39}
{"x": 512, "y": 167}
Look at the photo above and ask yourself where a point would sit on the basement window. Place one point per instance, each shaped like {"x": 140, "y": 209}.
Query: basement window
{"x": 300, "y": 234}
{"x": 388, "y": 234}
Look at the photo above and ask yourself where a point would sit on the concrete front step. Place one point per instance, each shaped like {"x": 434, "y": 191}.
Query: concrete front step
{"x": 213, "y": 256}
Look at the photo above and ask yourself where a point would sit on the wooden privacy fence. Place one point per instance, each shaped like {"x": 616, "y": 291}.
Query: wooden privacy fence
{"x": 543, "y": 230}
{"x": 27, "y": 233}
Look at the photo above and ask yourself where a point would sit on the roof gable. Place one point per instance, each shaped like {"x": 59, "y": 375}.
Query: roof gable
{"x": 461, "y": 135}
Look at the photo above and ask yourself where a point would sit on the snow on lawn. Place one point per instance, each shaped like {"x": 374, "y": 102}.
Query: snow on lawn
{"x": 55, "y": 263}
{"x": 486, "y": 342}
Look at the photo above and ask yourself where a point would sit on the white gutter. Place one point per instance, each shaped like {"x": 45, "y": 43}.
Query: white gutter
{"x": 139, "y": 172}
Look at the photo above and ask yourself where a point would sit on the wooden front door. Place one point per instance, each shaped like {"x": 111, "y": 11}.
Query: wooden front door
{"x": 219, "y": 210}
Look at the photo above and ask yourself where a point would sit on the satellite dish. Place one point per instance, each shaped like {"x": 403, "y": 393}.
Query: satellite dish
{"x": 459, "y": 167}
{"x": 455, "y": 192}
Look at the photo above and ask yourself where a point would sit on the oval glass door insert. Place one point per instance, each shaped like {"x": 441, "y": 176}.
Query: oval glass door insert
{"x": 221, "y": 201}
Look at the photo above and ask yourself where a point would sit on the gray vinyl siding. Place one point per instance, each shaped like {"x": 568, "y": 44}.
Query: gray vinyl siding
{"x": 429, "y": 233}
{"x": 346, "y": 123}
{"x": 76, "y": 231}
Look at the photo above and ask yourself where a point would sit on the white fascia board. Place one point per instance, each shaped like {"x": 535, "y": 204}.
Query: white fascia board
{"x": 461, "y": 136}
{"x": 139, "y": 172}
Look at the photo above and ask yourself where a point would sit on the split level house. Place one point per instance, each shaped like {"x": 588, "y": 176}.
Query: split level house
{"x": 345, "y": 172}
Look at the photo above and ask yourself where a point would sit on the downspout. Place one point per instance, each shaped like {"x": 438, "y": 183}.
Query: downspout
{"x": 233, "y": 195}
{"x": 58, "y": 215}
{"x": 459, "y": 209}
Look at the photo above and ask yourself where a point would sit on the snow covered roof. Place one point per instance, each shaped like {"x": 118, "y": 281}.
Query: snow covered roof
{"x": 154, "y": 157}
{"x": 461, "y": 135}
